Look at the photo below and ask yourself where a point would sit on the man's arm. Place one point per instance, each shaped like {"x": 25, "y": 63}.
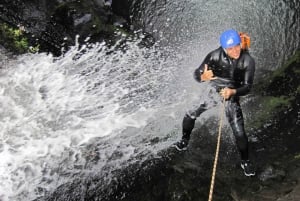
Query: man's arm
{"x": 203, "y": 73}
{"x": 246, "y": 84}
{"x": 248, "y": 77}
{"x": 198, "y": 72}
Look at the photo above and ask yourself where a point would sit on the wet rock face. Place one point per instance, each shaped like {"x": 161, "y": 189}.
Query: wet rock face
{"x": 53, "y": 25}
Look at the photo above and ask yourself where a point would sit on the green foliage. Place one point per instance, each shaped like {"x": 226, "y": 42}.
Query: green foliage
{"x": 275, "y": 102}
{"x": 14, "y": 39}
{"x": 34, "y": 49}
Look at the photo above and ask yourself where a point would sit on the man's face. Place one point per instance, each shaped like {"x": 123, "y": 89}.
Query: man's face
{"x": 234, "y": 52}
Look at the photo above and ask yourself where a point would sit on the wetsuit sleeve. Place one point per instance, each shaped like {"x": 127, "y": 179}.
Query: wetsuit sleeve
{"x": 198, "y": 72}
{"x": 248, "y": 77}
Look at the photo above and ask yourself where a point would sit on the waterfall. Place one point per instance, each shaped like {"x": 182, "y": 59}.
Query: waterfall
{"x": 53, "y": 108}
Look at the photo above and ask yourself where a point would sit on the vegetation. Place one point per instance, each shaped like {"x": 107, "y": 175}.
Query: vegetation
{"x": 15, "y": 40}
{"x": 277, "y": 93}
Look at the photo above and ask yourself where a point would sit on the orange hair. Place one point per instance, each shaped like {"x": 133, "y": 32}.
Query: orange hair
{"x": 245, "y": 40}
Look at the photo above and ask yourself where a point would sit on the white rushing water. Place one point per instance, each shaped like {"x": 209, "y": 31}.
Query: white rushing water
{"x": 52, "y": 108}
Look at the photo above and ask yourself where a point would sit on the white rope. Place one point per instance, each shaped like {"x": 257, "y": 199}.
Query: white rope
{"x": 217, "y": 154}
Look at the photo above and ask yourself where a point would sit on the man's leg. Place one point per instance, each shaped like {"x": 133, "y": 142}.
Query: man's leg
{"x": 209, "y": 99}
{"x": 188, "y": 124}
{"x": 236, "y": 121}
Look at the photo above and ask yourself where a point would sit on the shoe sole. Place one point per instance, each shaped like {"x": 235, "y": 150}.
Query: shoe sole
{"x": 183, "y": 149}
{"x": 247, "y": 175}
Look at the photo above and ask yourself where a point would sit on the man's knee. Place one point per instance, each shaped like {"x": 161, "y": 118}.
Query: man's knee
{"x": 239, "y": 132}
{"x": 188, "y": 124}
{"x": 190, "y": 115}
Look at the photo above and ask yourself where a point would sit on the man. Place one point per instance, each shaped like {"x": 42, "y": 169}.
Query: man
{"x": 230, "y": 70}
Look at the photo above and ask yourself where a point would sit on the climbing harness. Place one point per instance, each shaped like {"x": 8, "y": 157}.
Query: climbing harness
{"x": 217, "y": 153}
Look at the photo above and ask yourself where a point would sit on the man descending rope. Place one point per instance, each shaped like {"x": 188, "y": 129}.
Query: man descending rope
{"x": 230, "y": 70}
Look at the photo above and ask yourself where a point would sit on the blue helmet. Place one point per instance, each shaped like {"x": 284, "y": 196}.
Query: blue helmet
{"x": 230, "y": 38}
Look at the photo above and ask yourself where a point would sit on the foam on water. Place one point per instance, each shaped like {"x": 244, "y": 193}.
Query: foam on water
{"x": 50, "y": 108}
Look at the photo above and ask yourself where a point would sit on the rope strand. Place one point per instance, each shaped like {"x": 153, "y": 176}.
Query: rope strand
{"x": 217, "y": 154}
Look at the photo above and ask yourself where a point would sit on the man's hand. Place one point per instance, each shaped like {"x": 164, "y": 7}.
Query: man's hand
{"x": 207, "y": 75}
{"x": 227, "y": 93}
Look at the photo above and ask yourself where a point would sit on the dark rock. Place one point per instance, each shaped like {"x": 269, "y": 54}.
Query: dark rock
{"x": 52, "y": 26}
{"x": 271, "y": 173}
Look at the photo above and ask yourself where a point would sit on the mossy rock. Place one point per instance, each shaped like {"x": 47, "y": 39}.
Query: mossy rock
{"x": 268, "y": 110}
{"x": 283, "y": 81}
{"x": 276, "y": 94}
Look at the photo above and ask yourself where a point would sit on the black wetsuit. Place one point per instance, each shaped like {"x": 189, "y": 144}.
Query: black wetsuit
{"x": 236, "y": 74}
